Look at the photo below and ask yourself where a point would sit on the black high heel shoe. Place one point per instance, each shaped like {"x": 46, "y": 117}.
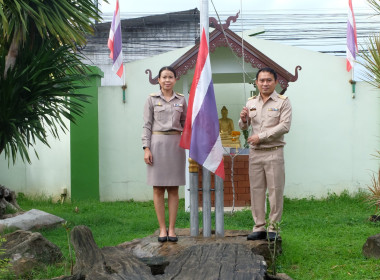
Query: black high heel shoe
{"x": 162, "y": 239}
{"x": 172, "y": 238}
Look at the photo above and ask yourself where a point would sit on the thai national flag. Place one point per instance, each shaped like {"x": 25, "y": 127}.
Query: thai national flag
{"x": 201, "y": 131}
{"x": 114, "y": 42}
{"x": 352, "y": 43}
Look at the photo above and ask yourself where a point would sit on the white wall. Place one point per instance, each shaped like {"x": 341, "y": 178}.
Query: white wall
{"x": 332, "y": 138}
{"x": 328, "y": 148}
{"x": 46, "y": 175}
{"x": 332, "y": 135}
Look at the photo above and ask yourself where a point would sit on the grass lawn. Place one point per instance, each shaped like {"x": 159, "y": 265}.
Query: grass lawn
{"x": 322, "y": 239}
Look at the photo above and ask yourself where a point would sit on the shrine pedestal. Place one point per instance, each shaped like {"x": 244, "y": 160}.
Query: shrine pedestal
{"x": 241, "y": 182}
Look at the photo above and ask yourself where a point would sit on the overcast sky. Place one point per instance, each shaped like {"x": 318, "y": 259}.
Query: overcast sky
{"x": 164, "y": 6}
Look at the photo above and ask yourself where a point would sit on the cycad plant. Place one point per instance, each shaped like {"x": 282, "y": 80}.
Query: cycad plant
{"x": 40, "y": 70}
{"x": 371, "y": 58}
{"x": 374, "y": 196}
{"x": 371, "y": 63}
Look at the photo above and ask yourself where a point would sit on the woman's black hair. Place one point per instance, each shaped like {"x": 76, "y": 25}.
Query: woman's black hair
{"x": 169, "y": 68}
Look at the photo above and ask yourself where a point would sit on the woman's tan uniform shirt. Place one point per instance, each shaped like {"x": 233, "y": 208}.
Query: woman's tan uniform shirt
{"x": 160, "y": 115}
{"x": 161, "y": 119}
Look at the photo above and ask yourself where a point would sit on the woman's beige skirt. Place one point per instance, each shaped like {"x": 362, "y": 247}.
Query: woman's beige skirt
{"x": 169, "y": 161}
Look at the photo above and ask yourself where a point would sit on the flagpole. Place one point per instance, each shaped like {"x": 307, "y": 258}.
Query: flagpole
{"x": 206, "y": 176}
{"x": 204, "y": 15}
{"x": 124, "y": 86}
{"x": 115, "y": 44}
{"x": 353, "y": 83}
{"x": 352, "y": 45}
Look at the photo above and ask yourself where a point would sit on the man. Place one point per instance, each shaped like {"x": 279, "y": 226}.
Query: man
{"x": 270, "y": 116}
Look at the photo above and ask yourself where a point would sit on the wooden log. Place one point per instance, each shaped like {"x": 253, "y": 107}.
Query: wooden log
{"x": 87, "y": 252}
{"x": 108, "y": 263}
{"x": 190, "y": 258}
{"x": 7, "y": 200}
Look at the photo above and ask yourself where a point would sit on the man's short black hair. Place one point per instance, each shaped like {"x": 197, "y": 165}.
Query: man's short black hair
{"x": 267, "y": 69}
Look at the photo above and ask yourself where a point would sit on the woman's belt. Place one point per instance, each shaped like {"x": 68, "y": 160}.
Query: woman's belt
{"x": 268, "y": 149}
{"x": 169, "y": 132}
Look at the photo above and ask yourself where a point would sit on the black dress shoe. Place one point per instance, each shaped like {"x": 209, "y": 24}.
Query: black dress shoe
{"x": 272, "y": 236}
{"x": 257, "y": 235}
{"x": 172, "y": 238}
{"x": 162, "y": 239}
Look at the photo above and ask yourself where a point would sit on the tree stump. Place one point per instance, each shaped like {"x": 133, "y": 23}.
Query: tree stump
{"x": 109, "y": 263}
{"x": 371, "y": 248}
{"x": 153, "y": 260}
{"x": 7, "y": 199}
{"x": 217, "y": 261}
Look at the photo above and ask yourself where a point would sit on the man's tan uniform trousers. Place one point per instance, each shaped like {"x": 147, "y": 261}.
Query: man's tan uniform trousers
{"x": 266, "y": 171}
{"x": 270, "y": 121}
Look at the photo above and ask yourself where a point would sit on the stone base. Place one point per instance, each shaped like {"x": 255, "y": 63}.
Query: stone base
{"x": 230, "y": 257}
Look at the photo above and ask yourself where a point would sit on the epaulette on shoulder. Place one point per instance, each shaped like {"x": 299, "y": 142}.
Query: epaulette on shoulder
{"x": 252, "y": 97}
{"x": 282, "y": 96}
{"x": 180, "y": 94}
{"x": 154, "y": 94}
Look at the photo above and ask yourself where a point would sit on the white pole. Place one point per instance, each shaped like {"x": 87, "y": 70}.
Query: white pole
{"x": 206, "y": 176}
{"x": 204, "y": 18}
{"x": 185, "y": 91}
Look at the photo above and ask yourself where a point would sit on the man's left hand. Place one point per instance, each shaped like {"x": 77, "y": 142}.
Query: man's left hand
{"x": 253, "y": 140}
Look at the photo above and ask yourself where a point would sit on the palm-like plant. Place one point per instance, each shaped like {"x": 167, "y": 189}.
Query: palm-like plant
{"x": 36, "y": 95}
{"x": 373, "y": 197}
{"x": 371, "y": 63}
{"x": 371, "y": 58}
{"x": 64, "y": 22}
{"x": 39, "y": 69}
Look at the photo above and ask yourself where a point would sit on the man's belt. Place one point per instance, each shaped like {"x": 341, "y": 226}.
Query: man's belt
{"x": 267, "y": 149}
{"x": 169, "y": 132}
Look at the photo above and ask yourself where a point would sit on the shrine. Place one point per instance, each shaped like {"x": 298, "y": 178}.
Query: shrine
{"x": 227, "y": 51}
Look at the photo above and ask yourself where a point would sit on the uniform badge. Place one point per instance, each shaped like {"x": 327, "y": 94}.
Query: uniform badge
{"x": 252, "y": 108}
{"x": 273, "y": 109}
{"x": 177, "y": 105}
{"x": 282, "y": 96}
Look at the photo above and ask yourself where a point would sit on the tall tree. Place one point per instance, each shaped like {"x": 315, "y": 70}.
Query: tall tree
{"x": 40, "y": 69}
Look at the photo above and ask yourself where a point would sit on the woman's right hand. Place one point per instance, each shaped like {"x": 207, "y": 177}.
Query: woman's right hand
{"x": 148, "y": 158}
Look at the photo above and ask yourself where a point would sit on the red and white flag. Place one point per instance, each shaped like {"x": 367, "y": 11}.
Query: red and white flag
{"x": 115, "y": 43}
{"x": 201, "y": 132}
{"x": 352, "y": 43}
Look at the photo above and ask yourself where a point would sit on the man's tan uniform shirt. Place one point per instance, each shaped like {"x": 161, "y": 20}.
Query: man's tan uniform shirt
{"x": 270, "y": 121}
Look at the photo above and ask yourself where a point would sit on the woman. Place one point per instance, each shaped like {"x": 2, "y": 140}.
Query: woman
{"x": 164, "y": 118}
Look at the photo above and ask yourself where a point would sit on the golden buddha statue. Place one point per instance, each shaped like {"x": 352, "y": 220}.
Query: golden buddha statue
{"x": 228, "y": 136}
